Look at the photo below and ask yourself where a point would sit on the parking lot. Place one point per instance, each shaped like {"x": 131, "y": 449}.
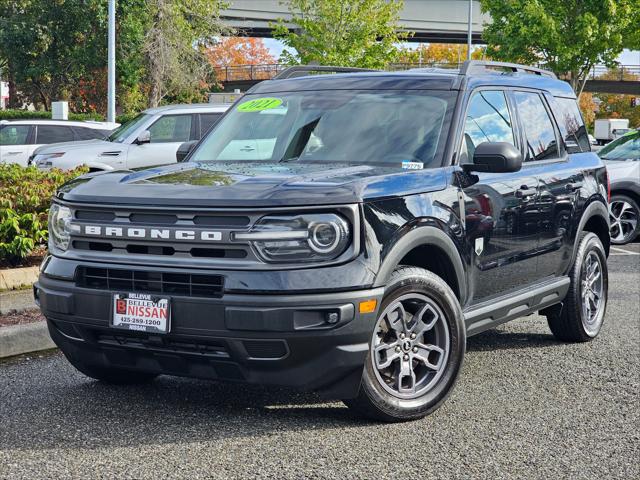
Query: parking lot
{"x": 525, "y": 406}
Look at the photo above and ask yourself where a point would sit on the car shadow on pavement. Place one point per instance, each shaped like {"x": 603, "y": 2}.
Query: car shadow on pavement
{"x": 74, "y": 411}
{"x": 84, "y": 413}
{"x": 496, "y": 339}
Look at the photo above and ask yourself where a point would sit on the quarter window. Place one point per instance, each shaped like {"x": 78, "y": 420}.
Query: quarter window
{"x": 171, "y": 128}
{"x": 538, "y": 128}
{"x": 488, "y": 120}
{"x": 89, "y": 133}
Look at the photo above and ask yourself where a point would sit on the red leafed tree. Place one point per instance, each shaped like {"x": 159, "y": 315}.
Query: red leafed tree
{"x": 235, "y": 51}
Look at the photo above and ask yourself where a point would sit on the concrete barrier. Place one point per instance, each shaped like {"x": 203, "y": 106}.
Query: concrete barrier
{"x": 28, "y": 338}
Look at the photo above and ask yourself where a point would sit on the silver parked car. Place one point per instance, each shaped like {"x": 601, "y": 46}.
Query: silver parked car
{"x": 152, "y": 138}
{"x": 622, "y": 158}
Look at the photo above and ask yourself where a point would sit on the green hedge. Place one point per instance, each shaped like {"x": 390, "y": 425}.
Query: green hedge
{"x": 28, "y": 115}
{"x": 25, "y": 195}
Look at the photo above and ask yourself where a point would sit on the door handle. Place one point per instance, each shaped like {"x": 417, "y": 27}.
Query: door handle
{"x": 572, "y": 187}
{"x": 525, "y": 192}
{"x": 14, "y": 153}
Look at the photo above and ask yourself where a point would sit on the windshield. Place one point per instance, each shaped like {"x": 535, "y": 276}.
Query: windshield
{"x": 121, "y": 133}
{"x": 624, "y": 148}
{"x": 395, "y": 128}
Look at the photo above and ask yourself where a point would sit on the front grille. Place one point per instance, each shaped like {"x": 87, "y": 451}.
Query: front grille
{"x": 104, "y": 245}
{"x": 184, "y": 284}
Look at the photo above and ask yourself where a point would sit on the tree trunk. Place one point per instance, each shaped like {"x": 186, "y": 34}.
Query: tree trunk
{"x": 155, "y": 96}
{"x": 13, "y": 92}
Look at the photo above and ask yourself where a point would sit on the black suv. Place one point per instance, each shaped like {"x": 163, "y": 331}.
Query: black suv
{"x": 339, "y": 233}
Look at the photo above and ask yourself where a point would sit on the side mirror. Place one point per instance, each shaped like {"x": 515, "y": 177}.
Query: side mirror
{"x": 495, "y": 157}
{"x": 184, "y": 149}
{"x": 144, "y": 137}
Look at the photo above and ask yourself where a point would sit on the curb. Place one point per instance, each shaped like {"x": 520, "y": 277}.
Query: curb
{"x": 12, "y": 278}
{"x": 17, "y": 301}
{"x": 28, "y": 338}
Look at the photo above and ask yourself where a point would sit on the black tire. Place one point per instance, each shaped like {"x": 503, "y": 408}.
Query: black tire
{"x": 628, "y": 235}
{"x": 568, "y": 321}
{"x": 374, "y": 400}
{"x": 115, "y": 376}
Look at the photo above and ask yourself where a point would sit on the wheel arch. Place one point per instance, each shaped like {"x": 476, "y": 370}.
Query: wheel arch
{"x": 595, "y": 219}
{"x": 429, "y": 248}
{"x": 628, "y": 189}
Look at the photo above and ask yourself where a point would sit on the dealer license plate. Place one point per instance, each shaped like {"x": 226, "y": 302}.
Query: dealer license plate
{"x": 141, "y": 312}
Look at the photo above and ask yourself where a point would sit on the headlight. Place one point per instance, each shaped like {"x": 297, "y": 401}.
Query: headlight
{"x": 59, "y": 218}
{"x": 43, "y": 160}
{"x": 299, "y": 238}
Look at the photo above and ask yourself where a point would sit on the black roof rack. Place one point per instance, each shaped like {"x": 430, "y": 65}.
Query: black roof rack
{"x": 302, "y": 70}
{"x": 482, "y": 66}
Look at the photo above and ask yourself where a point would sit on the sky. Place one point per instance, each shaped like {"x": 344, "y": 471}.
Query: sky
{"x": 628, "y": 57}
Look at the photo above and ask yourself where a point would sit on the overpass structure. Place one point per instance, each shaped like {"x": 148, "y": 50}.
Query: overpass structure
{"x": 438, "y": 21}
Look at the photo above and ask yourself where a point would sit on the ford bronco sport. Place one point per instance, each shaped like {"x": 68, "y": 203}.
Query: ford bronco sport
{"x": 339, "y": 233}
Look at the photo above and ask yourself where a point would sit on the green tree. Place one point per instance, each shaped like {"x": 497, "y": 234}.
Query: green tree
{"x": 568, "y": 36}
{"x": 358, "y": 33}
{"x": 57, "y": 50}
{"x": 175, "y": 45}
{"x": 48, "y": 47}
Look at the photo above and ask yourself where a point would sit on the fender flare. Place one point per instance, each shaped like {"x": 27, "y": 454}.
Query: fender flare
{"x": 418, "y": 237}
{"x": 595, "y": 208}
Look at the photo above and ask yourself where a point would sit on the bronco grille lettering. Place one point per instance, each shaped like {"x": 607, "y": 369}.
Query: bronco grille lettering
{"x": 151, "y": 233}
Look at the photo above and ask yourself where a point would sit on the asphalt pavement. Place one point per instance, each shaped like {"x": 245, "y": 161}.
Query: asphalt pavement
{"x": 525, "y": 406}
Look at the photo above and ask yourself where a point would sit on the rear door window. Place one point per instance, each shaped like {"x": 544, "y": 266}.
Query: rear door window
{"x": 46, "y": 134}
{"x": 540, "y": 134}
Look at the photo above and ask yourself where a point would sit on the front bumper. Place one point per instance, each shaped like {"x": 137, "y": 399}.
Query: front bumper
{"x": 276, "y": 339}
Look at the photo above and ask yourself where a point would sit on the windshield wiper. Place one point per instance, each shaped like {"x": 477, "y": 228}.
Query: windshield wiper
{"x": 290, "y": 159}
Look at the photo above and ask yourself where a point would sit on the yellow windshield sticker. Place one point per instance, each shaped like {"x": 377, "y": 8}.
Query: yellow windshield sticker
{"x": 259, "y": 104}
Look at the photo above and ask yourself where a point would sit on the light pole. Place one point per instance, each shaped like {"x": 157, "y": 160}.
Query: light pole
{"x": 469, "y": 29}
{"x": 111, "y": 67}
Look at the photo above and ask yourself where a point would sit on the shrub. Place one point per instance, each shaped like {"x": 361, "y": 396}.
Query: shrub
{"x": 28, "y": 115}
{"x": 25, "y": 194}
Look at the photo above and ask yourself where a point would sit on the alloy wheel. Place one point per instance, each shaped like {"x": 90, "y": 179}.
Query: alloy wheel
{"x": 592, "y": 293}
{"x": 410, "y": 347}
{"x": 624, "y": 220}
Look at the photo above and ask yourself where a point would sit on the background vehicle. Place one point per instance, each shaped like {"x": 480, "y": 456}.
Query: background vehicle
{"x": 152, "y": 138}
{"x": 20, "y": 138}
{"x": 622, "y": 158}
{"x": 604, "y": 127}
{"x": 348, "y": 245}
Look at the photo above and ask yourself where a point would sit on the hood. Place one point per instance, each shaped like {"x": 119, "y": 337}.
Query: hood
{"x": 249, "y": 184}
{"x": 623, "y": 170}
{"x": 91, "y": 146}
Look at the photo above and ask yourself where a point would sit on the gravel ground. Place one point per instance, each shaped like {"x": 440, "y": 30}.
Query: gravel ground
{"x": 21, "y": 318}
{"x": 525, "y": 406}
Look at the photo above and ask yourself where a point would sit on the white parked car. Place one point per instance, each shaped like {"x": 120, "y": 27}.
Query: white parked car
{"x": 152, "y": 138}
{"x": 20, "y": 138}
